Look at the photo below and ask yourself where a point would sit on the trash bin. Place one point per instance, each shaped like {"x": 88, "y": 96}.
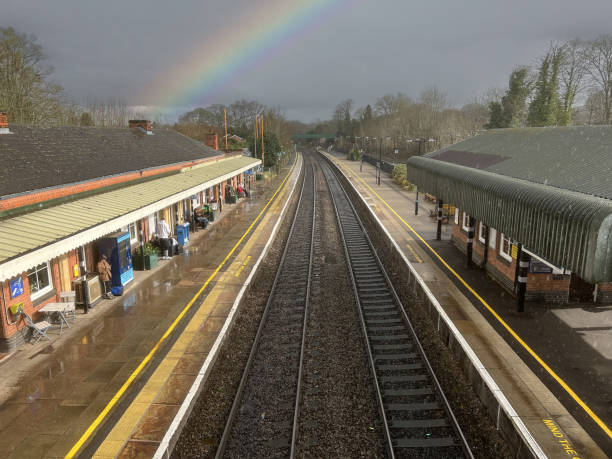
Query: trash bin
{"x": 182, "y": 233}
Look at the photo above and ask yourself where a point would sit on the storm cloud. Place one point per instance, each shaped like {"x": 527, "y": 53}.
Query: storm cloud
{"x": 362, "y": 50}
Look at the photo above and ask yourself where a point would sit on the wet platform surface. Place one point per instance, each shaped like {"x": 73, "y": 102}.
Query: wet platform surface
{"x": 574, "y": 340}
{"x": 57, "y": 390}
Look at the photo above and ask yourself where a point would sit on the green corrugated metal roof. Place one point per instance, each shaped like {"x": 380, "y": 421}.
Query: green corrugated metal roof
{"x": 569, "y": 229}
{"x": 577, "y": 158}
{"x": 25, "y": 233}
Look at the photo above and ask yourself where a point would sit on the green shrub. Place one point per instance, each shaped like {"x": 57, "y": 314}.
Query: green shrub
{"x": 149, "y": 250}
{"x": 399, "y": 177}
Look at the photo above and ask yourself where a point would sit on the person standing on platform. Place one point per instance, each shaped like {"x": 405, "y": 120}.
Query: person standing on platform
{"x": 163, "y": 233}
{"x": 104, "y": 270}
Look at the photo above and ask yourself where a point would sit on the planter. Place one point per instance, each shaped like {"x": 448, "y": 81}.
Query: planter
{"x": 150, "y": 262}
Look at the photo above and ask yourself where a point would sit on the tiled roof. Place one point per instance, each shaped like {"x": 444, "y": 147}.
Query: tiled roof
{"x": 577, "y": 158}
{"x": 33, "y": 158}
{"x": 30, "y": 239}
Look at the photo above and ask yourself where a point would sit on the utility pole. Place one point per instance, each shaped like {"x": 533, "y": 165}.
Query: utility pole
{"x": 256, "y": 136}
{"x": 225, "y": 118}
{"x": 379, "y": 160}
{"x": 263, "y": 151}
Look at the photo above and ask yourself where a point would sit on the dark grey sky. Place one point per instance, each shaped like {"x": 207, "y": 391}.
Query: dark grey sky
{"x": 113, "y": 49}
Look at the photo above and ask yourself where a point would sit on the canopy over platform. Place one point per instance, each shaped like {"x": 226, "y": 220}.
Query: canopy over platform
{"x": 510, "y": 189}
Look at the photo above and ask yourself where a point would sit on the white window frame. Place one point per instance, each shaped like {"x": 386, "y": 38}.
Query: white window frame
{"x": 492, "y": 238}
{"x": 464, "y": 220}
{"x": 152, "y": 225}
{"x": 456, "y": 216}
{"x": 195, "y": 200}
{"x": 506, "y": 255}
{"x": 481, "y": 233}
{"x": 46, "y": 289}
{"x": 133, "y": 240}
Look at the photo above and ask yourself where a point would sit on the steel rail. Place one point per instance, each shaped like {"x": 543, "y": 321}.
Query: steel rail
{"x": 253, "y": 352}
{"x": 303, "y": 347}
{"x": 389, "y": 440}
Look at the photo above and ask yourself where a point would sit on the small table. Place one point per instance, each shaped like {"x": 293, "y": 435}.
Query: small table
{"x": 60, "y": 309}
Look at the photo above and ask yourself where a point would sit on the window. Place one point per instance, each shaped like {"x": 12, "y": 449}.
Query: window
{"x": 492, "y": 238}
{"x": 465, "y": 224}
{"x": 482, "y": 232}
{"x": 152, "y": 224}
{"x": 133, "y": 233}
{"x": 195, "y": 200}
{"x": 40, "y": 280}
{"x": 456, "y": 216}
{"x": 505, "y": 247}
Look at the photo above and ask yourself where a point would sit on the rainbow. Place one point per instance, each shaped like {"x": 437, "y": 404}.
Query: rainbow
{"x": 271, "y": 25}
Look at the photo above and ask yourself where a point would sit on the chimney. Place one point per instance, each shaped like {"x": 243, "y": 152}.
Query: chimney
{"x": 212, "y": 141}
{"x": 4, "y": 123}
{"x": 143, "y": 125}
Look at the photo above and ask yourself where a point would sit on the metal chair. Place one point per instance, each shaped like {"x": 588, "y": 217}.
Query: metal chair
{"x": 39, "y": 329}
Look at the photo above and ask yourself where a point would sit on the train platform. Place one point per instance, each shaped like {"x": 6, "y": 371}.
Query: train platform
{"x": 568, "y": 414}
{"x": 111, "y": 385}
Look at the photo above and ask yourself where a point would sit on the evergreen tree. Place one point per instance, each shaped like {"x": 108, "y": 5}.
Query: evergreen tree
{"x": 544, "y": 109}
{"x": 86, "y": 119}
{"x": 514, "y": 103}
{"x": 272, "y": 148}
{"x": 511, "y": 111}
{"x": 496, "y": 116}
{"x": 367, "y": 114}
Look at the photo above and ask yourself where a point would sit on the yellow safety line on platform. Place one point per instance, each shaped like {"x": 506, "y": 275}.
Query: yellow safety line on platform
{"x": 538, "y": 359}
{"x": 414, "y": 254}
{"x": 94, "y": 425}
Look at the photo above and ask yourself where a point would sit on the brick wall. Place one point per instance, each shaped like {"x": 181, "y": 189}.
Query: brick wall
{"x": 548, "y": 288}
{"x": 604, "y": 293}
{"x": 10, "y": 337}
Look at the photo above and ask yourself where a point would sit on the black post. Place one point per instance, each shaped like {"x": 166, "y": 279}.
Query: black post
{"x": 416, "y": 203}
{"x": 439, "y": 229}
{"x": 519, "y": 246}
{"x": 523, "y": 264}
{"x": 379, "y": 160}
{"x": 470, "y": 241}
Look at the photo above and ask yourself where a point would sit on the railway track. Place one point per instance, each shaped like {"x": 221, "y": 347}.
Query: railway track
{"x": 266, "y": 406}
{"x": 416, "y": 418}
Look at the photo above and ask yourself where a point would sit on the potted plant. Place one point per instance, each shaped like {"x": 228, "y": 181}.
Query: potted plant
{"x": 150, "y": 257}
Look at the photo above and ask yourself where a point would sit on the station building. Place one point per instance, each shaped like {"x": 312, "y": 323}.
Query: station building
{"x": 64, "y": 188}
{"x": 533, "y": 208}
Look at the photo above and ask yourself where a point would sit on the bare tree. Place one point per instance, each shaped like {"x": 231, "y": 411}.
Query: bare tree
{"x": 573, "y": 69}
{"x": 24, "y": 88}
{"x": 598, "y": 55}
